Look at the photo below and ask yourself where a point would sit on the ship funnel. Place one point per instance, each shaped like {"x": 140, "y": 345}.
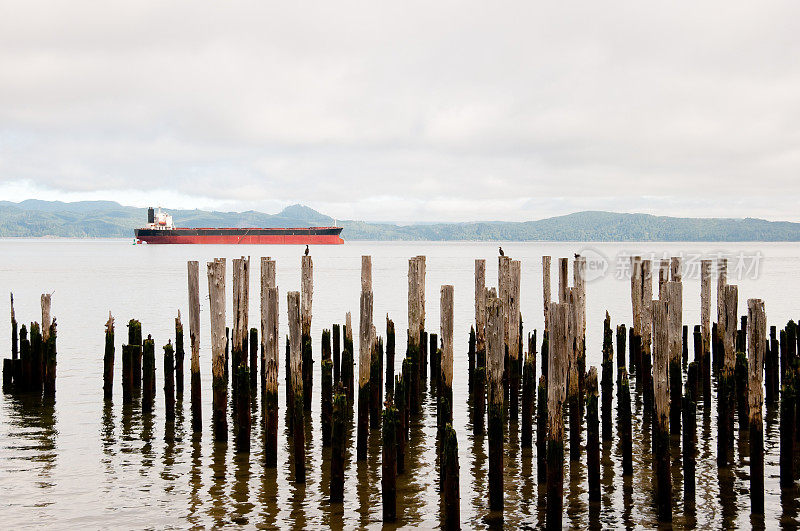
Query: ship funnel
{"x": 151, "y": 215}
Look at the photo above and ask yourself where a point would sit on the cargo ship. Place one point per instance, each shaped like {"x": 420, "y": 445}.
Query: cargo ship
{"x": 160, "y": 229}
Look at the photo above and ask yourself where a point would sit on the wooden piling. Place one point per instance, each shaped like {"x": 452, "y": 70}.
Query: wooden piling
{"x": 528, "y": 390}
{"x": 494, "y": 359}
{"x": 541, "y": 432}
{"x": 241, "y": 306}
{"x": 771, "y": 364}
{"x": 574, "y": 397}
{"x": 557, "y": 376}
{"x": 135, "y": 339}
{"x": 35, "y": 379}
{"x": 445, "y": 396}
{"x": 563, "y": 279}
{"x": 338, "y": 447}
{"x": 689, "y": 432}
{"x": 272, "y": 354}
{"x": 452, "y": 502}
{"x": 663, "y": 277}
{"x": 622, "y": 335}
{"x": 337, "y": 354}
{"x": 722, "y": 280}
{"x": 296, "y": 357}
{"x": 375, "y": 383}
{"x": 169, "y": 382}
{"x": 326, "y": 405}
{"x": 786, "y": 459}
{"x": 607, "y": 383}
{"x": 48, "y": 365}
{"x": 646, "y": 334}
{"x": 436, "y": 362}
{"x": 307, "y": 295}
{"x": 705, "y": 330}
{"x": 592, "y": 436}
{"x": 389, "y": 463}
{"x": 108, "y": 360}
{"x": 14, "y": 339}
{"x": 726, "y": 385}
{"x": 624, "y": 421}
{"x": 636, "y": 308}
{"x": 674, "y": 299}
{"x": 546, "y": 296}
{"x": 757, "y": 338}
{"x": 127, "y": 369}
{"x": 416, "y": 324}
{"x": 253, "y": 367}
{"x": 194, "y": 344}
{"x": 399, "y": 397}
{"x": 514, "y": 358}
{"x": 216, "y": 291}
{"x": 364, "y": 374}
{"x": 390, "y": 351}
{"x": 148, "y": 374}
{"x": 348, "y": 362}
{"x": 661, "y": 450}
{"x": 179, "y": 355}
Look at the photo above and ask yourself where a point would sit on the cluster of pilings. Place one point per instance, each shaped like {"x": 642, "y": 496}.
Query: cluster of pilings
{"x": 32, "y": 366}
{"x": 565, "y": 398}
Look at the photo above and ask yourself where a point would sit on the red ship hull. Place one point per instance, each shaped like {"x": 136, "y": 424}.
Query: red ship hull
{"x": 255, "y": 236}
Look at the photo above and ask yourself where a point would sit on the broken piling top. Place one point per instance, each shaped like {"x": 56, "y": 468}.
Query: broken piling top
{"x": 480, "y": 302}
{"x": 722, "y": 281}
{"x": 366, "y": 273}
{"x": 365, "y": 335}
{"x": 646, "y": 311}
{"x": 636, "y": 294}
{"x": 110, "y": 324}
{"x": 730, "y": 298}
{"x": 46, "y": 321}
{"x": 446, "y": 326}
{"x": 663, "y": 276}
{"x": 216, "y": 293}
{"x": 563, "y": 279}
{"x": 416, "y": 299}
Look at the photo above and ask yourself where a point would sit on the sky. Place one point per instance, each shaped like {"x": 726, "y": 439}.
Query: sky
{"x": 405, "y": 111}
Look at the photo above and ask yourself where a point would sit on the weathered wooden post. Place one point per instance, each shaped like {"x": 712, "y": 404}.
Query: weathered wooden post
{"x": 722, "y": 280}
{"x": 35, "y": 379}
{"x": 216, "y": 292}
{"x": 452, "y": 502}
{"x": 364, "y": 354}
{"x": 541, "y": 432}
{"x": 169, "y": 382}
{"x": 607, "y": 383}
{"x": 726, "y": 383}
{"x": 390, "y": 350}
{"x": 400, "y": 405}
{"x": 494, "y": 359}
{"x": 48, "y": 348}
{"x": 513, "y": 338}
{"x": 135, "y": 339}
{"x": 528, "y": 390}
{"x": 307, "y": 294}
{"x": 108, "y": 360}
{"x": 674, "y": 299}
{"x": 579, "y": 281}
{"x": 337, "y": 354}
{"x": 788, "y": 396}
{"x": 771, "y": 365}
{"x": 296, "y": 356}
{"x": 348, "y": 362}
{"x": 624, "y": 421}
{"x": 272, "y": 353}
{"x": 179, "y": 355}
{"x": 689, "y": 455}
{"x": 253, "y": 367}
{"x": 592, "y": 436}
{"x": 646, "y": 332}
{"x": 338, "y": 447}
{"x": 375, "y": 381}
{"x": 663, "y": 277}
{"x": 663, "y": 478}
{"x": 705, "y": 330}
{"x": 326, "y": 405}
{"x": 563, "y": 279}
{"x": 416, "y": 326}
{"x": 14, "y": 338}
{"x": 757, "y": 338}
{"x": 557, "y": 376}
{"x": 574, "y": 397}
{"x": 148, "y": 374}
{"x": 445, "y": 409}
{"x": 193, "y": 270}
{"x": 239, "y": 352}
{"x": 622, "y": 335}
{"x": 389, "y": 463}
{"x": 636, "y": 308}
{"x": 127, "y": 369}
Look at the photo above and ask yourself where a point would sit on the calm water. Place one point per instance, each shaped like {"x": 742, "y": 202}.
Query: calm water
{"x": 78, "y": 461}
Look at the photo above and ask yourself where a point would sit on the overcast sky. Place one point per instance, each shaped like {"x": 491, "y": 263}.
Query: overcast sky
{"x": 406, "y": 111}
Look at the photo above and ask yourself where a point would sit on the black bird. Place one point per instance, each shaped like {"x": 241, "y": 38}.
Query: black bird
{"x": 501, "y": 252}
{"x": 577, "y": 255}
{"x": 306, "y": 250}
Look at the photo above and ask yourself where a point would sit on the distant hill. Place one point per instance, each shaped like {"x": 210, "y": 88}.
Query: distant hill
{"x": 107, "y": 219}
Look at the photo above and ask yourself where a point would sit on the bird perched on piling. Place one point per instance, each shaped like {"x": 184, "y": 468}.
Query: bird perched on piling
{"x": 306, "y": 249}
{"x": 577, "y": 256}
{"x": 501, "y": 252}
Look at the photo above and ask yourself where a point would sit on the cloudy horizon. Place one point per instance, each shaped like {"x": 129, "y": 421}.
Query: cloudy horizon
{"x": 458, "y": 111}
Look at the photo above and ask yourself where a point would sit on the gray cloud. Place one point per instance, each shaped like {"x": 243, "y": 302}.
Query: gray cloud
{"x": 458, "y": 110}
